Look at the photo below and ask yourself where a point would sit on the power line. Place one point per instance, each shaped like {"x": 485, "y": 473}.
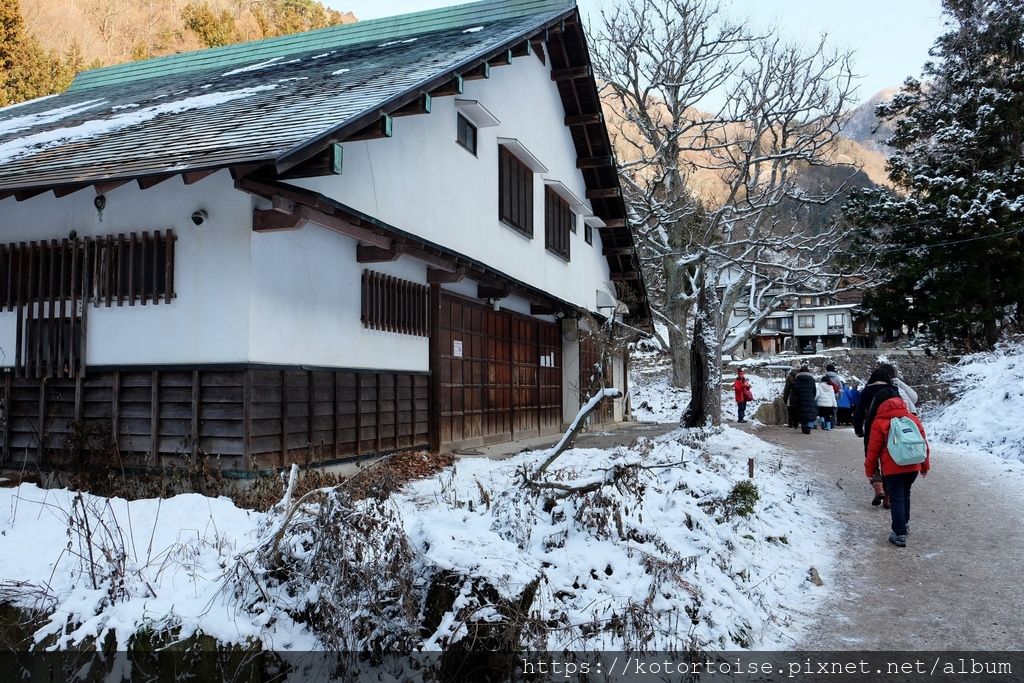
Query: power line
{"x": 950, "y": 243}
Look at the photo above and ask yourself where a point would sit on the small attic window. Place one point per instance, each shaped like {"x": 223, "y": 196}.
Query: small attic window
{"x": 466, "y": 134}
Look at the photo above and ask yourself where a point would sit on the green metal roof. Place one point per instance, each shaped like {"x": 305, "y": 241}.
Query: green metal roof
{"x": 373, "y": 30}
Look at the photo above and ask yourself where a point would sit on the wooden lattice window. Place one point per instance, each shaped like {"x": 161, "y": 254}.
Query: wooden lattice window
{"x": 558, "y": 223}
{"x": 391, "y": 304}
{"x": 515, "y": 192}
{"x": 50, "y": 285}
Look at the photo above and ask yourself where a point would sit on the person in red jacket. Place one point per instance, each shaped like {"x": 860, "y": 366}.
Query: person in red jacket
{"x": 898, "y": 478}
{"x": 741, "y": 387}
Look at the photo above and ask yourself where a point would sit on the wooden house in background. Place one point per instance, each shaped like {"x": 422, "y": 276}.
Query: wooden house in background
{"x": 309, "y": 248}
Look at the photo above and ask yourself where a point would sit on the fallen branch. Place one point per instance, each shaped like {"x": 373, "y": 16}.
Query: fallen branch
{"x": 569, "y": 438}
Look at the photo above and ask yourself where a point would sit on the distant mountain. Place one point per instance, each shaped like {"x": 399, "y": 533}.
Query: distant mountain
{"x": 864, "y": 127}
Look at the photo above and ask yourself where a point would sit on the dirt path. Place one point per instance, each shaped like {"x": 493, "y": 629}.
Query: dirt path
{"x": 957, "y": 585}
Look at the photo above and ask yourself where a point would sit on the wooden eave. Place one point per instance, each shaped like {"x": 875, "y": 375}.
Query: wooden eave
{"x": 439, "y": 258}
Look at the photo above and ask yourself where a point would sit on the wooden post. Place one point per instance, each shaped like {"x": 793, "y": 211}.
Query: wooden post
{"x": 7, "y": 416}
{"x": 154, "y": 418}
{"x": 284, "y": 417}
{"x": 247, "y": 419}
{"x": 750, "y": 467}
{"x": 194, "y": 431}
{"x": 397, "y": 413}
{"x": 334, "y": 415}
{"x": 379, "y": 447}
{"x": 359, "y": 414}
{"x": 434, "y": 387}
{"x": 311, "y": 421}
{"x": 115, "y": 419}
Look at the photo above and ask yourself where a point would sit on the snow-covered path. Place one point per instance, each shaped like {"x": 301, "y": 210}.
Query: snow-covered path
{"x": 956, "y": 585}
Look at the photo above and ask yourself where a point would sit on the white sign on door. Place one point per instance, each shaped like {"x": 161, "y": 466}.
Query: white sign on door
{"x": 457, "y": 348}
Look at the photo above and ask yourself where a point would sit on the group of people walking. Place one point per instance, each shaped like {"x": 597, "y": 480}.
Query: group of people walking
{"x": 883, "y": 415}
{"x": 824, "y": 402}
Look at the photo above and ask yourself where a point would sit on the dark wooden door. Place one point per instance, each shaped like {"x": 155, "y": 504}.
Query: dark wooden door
{"x": 499, "y": 374}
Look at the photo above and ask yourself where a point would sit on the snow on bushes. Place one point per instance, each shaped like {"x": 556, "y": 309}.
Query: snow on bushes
{"x": 985, "y": 414}
{"x": 665, "y": 545}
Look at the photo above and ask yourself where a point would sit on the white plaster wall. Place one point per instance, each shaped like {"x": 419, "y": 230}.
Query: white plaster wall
{"x": 821, "y": 321}
{"x": 207, "y": 322}
{"x": 305, "y": 304}
{"x": 423, "y": 182}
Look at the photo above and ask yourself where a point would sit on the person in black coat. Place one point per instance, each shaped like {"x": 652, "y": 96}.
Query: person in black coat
{"x": 804, "y": 399}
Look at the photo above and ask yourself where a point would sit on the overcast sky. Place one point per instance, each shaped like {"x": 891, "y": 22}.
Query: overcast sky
{"x": 891, "y": 37}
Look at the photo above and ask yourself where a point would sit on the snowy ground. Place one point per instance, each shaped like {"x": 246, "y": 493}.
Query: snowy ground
{"x": 988, "y": 411}
{"x": 658, "y": 560}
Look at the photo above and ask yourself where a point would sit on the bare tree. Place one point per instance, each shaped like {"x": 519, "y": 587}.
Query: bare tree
{"x": 716, "y": 196}
{"x": 656, "y": 61}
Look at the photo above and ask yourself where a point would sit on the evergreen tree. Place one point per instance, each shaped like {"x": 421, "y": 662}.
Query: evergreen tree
{"x": 951, "y": 234}
{"x": 27, "y": 70}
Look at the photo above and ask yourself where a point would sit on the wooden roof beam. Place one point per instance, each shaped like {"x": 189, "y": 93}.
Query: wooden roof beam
{"x": 381, "y": 128}
{"x": 369, "y": 254}
{"x": 456, "y": 86}
{"x": 269, "y": 191}
{"x": 147, "y": 182}
{"x": 584, "y": 119}
{"x": 617, "y": 251}
{"x": 22, "y": 195}
{"x": 504, "y": 59}
{"x": 604, "y": 193}
{"x": 492, "y": 292}
{"x": 193, "y": 177}
{"x": 478, "y": 72}
{"x": 108, "y": 185}
{"x": 544, "y": 309}
{"x": 436, "y": 260}
{"x": 522, "y": 49}
{"x": 436, "y": 276}
{"x": 571, "y": 73}
{"x": 268, "y": 220}
{"x": 625, "y": 277}
{"x": 324, "y": 163}
{"x": 344, "y": 226}
{"x": 537, "y": 45}
{"x": 65, "y": 190}
{"x": 421, "y": 105}
{"x": 595, "y": 162}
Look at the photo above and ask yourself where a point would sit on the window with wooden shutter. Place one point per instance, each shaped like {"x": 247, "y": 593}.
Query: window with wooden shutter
{"x": 51, "y": 285}
{"x": 558, "y": 220}
{"x": 515, "y": 192}
{"x": 391, "y": 304}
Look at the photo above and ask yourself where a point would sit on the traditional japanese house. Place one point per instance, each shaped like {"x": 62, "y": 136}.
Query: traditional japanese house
{"x": 309, "y": 248}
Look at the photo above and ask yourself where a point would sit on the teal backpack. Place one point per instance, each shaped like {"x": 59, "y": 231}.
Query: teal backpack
{"x": 906, "y": 444}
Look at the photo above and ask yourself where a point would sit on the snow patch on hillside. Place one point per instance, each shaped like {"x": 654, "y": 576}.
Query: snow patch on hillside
{"x": 986, "y": 413}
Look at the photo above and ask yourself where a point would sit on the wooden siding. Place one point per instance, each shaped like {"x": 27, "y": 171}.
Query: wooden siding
{"x": 498, "y": 373}
{"x": 248, "y": 416}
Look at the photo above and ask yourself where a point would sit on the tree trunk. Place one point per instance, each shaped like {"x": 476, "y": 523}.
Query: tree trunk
{"x": 705, "y": 407}
{"x": 677, "y": 309}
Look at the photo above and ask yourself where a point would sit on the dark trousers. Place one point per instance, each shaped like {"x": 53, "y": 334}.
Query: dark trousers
{"x": 898, "y": 488}
{"x": 844, "y": 416}
{"x": 794, "y": 416}
{"x": 741, "y": 408}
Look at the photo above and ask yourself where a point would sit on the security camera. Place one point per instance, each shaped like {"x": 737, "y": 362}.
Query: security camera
{"x": 199, "y": 217}
{"x": 99, "y": 202}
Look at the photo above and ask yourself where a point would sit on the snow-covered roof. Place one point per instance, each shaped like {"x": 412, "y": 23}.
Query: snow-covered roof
{"x": 823, "y": 308}
{"x": 254, "y": 102}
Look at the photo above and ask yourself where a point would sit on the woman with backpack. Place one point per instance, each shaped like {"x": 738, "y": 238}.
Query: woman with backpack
{"x": 898, "y": 448}
{"x": 879, "y": 389}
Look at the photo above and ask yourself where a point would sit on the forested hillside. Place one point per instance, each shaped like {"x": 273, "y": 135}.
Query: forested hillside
{"x": 43, "y": 43}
